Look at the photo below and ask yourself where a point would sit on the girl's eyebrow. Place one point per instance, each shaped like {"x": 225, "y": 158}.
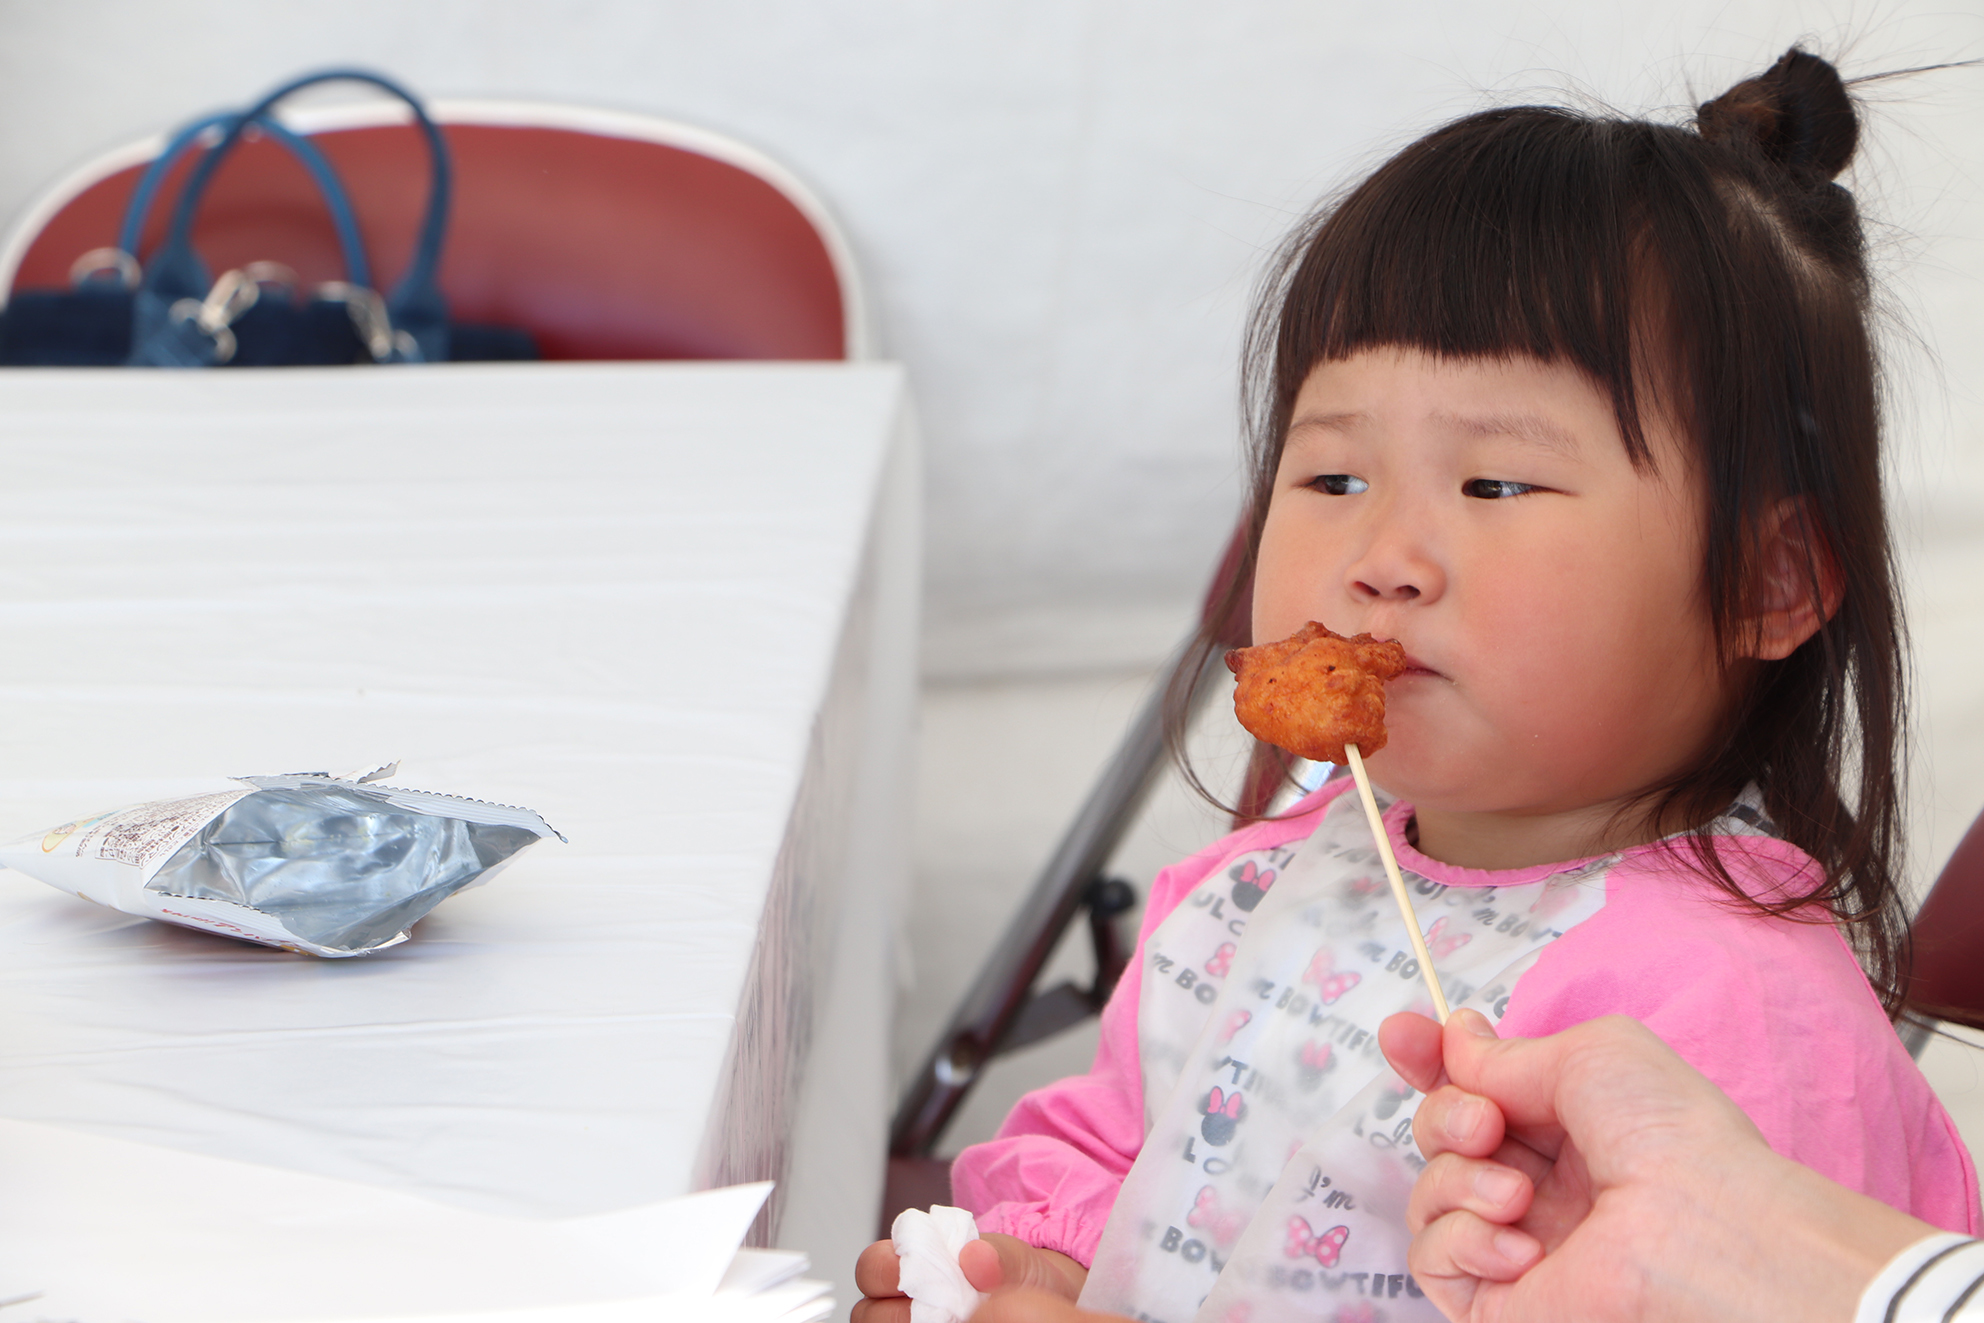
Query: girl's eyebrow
{"x": 1535, "y": 429}
{"x": 1328, "y": 422}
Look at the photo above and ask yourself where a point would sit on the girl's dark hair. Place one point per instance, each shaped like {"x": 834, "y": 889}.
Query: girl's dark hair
{"x": 1720, "y": 269}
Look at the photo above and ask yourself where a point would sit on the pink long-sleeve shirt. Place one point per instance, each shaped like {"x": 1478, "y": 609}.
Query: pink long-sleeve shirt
{"x": 1776, "y": 1012}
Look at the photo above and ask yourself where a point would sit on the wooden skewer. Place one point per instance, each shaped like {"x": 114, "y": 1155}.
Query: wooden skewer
{"x": 1363, "y": 780}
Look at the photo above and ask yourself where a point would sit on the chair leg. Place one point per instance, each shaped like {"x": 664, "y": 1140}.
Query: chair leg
{"x": 983, "y": 1022}
{"x": 1106, "y": 899}
{"x": 1062, "y": 1007}
{"x": 913, "y": 1182}
{"x": 1915, "y": 1030}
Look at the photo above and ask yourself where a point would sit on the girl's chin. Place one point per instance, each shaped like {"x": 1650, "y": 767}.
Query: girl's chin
{"x": 1395, "y": 771}
{"x": 1419, "y": 736}
{"x": 1436, "y": 781}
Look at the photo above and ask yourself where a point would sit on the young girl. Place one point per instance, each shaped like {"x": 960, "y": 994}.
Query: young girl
{"x": 1583, "y": 412}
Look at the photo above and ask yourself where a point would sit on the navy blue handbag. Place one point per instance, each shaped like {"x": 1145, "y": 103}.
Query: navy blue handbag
{"x": 173, "y": 313}
{"x": 182, "y": 317}
{"x": 89, "y": 324}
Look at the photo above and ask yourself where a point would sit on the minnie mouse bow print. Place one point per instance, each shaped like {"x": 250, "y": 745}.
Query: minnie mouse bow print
{"x": 1223, "y": 1113}
{"x": 1207, "y": 1216}
{"x": 1220, "y": 963}
{"x": 1329, "y": 986}
{"x": 1312, "y": 1062}
{"x": 1250, "y": 884}
{"x": 1442, "y": 946}
{"x": 1304, "y": 1243}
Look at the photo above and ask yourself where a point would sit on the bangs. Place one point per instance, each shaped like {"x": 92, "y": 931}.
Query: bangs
{"x": 1526, "y": 231}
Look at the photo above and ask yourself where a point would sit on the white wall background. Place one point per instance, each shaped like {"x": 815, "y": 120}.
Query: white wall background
{"x": 1061, "y": 203}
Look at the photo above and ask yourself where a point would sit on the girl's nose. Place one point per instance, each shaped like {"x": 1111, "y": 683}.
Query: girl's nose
{"x": 1395, "y": 570}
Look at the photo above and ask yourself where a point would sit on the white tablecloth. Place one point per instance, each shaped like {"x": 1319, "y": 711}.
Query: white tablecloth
{"x": 671, "y": 607}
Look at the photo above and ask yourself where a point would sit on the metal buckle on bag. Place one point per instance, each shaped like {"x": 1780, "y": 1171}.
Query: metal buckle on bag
{"x": 372, "y": 321}
{"x": 93, "y": 264}
{"x": 232, "y": 295}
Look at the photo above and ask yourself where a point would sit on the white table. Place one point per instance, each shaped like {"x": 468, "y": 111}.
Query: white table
{"x": 671, "y": 607}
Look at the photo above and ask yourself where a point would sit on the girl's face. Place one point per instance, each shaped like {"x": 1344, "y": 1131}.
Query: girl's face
{"x": 1549, "y": 595}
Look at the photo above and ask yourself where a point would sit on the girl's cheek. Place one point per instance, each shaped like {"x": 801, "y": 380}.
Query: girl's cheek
{"x": 1290, "y": 584}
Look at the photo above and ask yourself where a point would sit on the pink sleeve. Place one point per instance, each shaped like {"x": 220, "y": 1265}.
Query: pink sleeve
{"x": 1775, "y": 1011}
{"x": 1051, "y": 1174}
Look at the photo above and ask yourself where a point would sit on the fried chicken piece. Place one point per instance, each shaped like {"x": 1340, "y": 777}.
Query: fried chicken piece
{"x": 1314, "y": 692}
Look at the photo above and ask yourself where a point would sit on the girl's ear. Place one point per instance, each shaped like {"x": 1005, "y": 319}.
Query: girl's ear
{"x": 1797, "y": 583}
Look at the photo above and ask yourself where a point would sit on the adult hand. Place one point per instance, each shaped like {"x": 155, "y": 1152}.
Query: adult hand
{"x": 993, "y": 1263}
{"x": 1594, "y": 1175}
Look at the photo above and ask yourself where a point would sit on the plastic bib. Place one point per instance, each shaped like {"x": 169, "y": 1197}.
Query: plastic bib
{"x": 1278, "y": 1155}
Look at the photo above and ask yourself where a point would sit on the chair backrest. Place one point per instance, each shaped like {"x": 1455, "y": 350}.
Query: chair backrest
{"x": 606, "y": 235}
{"x": 1947, "y": 977}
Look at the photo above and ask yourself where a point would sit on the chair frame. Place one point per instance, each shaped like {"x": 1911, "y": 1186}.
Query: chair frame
{"x": 858, "y": 337}
{"x": 1954, "y": 904}
{"x": 1001, "y": 1013}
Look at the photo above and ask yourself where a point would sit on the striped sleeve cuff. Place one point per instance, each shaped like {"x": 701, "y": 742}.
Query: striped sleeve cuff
{"x": 1939, "y": 1279}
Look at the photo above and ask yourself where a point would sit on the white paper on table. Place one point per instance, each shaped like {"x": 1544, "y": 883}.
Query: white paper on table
{"x": 115, "y": 1232}
{"x": 799, "y": 1301}
{"x": 760, "y": 1286}
{"x": 755, "y": 1270}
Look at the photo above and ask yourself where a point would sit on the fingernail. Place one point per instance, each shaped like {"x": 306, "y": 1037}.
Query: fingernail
{"x": 1465, "y": 1117}
{"x": 1475, "y": 1023}
{"x": 1496, "y": 1185}
{"x": 1515, "y": 1247}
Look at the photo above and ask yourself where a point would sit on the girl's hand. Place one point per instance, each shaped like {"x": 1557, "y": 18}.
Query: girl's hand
{"x": 1037, "y": 1307}
{"x": 992, "y": 1263}
{"x": 876, "y": 1275}
{"x": 1001, "y": 1263}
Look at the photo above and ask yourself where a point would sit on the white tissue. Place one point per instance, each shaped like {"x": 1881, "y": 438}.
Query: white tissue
{"x": 928, "y": 1245}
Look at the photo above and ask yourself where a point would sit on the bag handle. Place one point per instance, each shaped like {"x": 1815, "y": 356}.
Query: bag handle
{"x": 358, "y": 270}
{"x": 415, "y": 304}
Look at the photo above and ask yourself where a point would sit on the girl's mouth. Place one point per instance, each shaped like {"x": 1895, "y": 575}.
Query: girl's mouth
{"x": 1413, "y": 666}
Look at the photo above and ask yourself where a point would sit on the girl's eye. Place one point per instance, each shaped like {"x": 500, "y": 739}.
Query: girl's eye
{"x": 1494, "y": 489}
{"x": 1339, "y": 484}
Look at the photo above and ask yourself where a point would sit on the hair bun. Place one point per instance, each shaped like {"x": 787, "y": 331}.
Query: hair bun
{"x": 1796, "y": 114}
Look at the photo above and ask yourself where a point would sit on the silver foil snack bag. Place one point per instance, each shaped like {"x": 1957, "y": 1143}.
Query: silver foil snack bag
{"x": 332, "y": 866}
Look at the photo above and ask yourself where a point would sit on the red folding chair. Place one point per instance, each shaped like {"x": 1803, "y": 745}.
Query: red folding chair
{"x": 1946, "y": 978}
{"x": 606, "y": 235}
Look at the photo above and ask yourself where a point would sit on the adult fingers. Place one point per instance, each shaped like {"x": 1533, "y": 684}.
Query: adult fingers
{"x": 878, "y": 1272}
{"x": 1412, "y": 1044}
{"x": 1452, "y": 1258}
{"x": 1519, "y": 1076}
{"x": 1610, "y": 1080}
{"x": 1452, "y": 1120}
{"x": 1451, "y": 1183}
